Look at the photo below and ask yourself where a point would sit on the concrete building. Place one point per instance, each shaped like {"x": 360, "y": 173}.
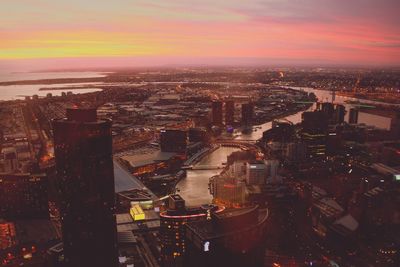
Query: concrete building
{"x": 228, "y": 191}
{"x": 256, "y": 173}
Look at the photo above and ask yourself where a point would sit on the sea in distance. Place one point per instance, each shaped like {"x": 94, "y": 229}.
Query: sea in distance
{"x": 14, "y": 92}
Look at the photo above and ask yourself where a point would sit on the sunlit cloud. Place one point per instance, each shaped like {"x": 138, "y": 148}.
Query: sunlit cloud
{"x": 360, "y": 31}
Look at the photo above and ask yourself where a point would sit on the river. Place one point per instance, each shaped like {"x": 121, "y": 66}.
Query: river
{"x": 194, "y": 188}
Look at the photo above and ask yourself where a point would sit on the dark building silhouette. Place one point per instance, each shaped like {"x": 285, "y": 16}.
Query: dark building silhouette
{"x": 231, "y": 238}
{"x": 173, "y": 231}
{"x": 353, "y": 116}
{"x": 340, "y": 112}
{"x": 198, "y": 135}
{"x": 314, "y": 133}
{"x": 216, "y": 113}
{"x": 23, "y": 196}
{"x": 247, "y": 113}
{"x": 229, "y": 112}
{"x": 173, "y": 140}
{"x": 328, "y": 109}
{"x": 395, "y": 126}
{"x": 85, "y": 177}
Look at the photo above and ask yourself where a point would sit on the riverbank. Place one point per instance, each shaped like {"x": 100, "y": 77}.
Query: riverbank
{"x": 380, "y": 98}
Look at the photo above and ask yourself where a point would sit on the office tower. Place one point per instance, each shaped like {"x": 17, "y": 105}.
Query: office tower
{"x": 229, "y": 112}
{"x": 1, "y": 139}
{"x": 85, "y": 177}
{"x": 173, "y": 140}
{"x": 272, "y": 170}
{"x": 314, "y": 133}
{"x": 340, "y": 112}
{"x": 216, "y": 113}
{"x": 198, "y": 135}
{"x": 256, "y": 173}
{"x": 172, "y": 228}
{"x": 353, "y": 116}
{"x": 247, "y": 114}
{"x": 10, "y": 160}
{"x": 23, "y": 196}
{"x": 228, "y": 191}
{"x": 296, "y": 152}
{"x": 230, "y": 238}
{"x": 328, "y": 110}
{"x": 395, "y": 126}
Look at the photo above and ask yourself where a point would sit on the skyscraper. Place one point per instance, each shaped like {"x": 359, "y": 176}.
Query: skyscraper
{"x": 83, "y": 150}
{"x": 353, "y": 116}
{"x": 229, "y": 112}
{"x": 395, "y": 126}
{"x": 247, "y": 114}
{"x": 340, "y": 112}
{"x": 173, "y": 140}
{"x": 216, "y": 113}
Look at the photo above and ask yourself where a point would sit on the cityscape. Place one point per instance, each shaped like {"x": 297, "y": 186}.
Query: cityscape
{"x": 228, "y": 157}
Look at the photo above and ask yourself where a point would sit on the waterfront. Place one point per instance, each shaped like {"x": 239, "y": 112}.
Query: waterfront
{"x": 194, "y": 188}
{"x": 14, "y": 92}
{"x": 31, "y": 76}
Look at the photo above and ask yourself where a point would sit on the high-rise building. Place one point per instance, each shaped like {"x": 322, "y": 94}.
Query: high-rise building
{"x": 216, "y": 113}
{"x": 353, "y": 116}
{"x": 328, "y": 109}
{"x": 23, "y": 196}
{"x": 10, "y": 160}
{"x": 395, "y": 126}
{"x": 296, "y": 152}
{"x": 85, "y": 178}
{"x": 228, "y": 191}
{"x": 173, "y": 231}
{"x": 247, "y": 114}
{"x": 198, "y": 135}
{"x": 256, "y": 173}
{"x": 340, "y": 112}
{"x": 173, "y": 140}
{"x": 229, "y": 112}
{"x": 272, "y": 170}
{"x": 231, "y": 238}
{"x": 314, "y": 132}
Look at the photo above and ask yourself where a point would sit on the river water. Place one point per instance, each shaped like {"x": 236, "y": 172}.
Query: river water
{"x": 194, "y": 188}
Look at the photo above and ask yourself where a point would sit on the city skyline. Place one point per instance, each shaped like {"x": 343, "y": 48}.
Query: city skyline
{"x": 36, "y": 34}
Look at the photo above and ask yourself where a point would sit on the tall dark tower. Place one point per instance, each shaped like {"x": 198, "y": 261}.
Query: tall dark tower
{"x": 247, "y": 114}
{"x": 229, "y": 112}
{"x": 216, "y": 113}
{"x": 340, "y": 112}
{"x": 353, "y": 117}
{"x": 83, "y": 151}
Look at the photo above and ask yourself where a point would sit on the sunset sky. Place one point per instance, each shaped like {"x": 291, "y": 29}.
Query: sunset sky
{"x": 143, "y": 32}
